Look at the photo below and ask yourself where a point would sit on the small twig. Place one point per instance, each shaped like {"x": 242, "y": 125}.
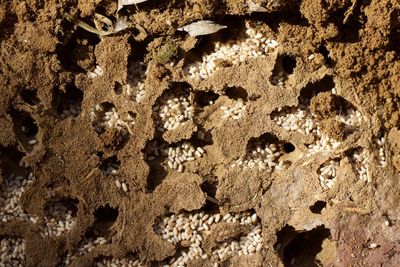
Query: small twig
{"x": 89, "y": 175}
{"x": 213, "y": 200}
{"x": 355, "y": 210}
{"x": 123, "y": 221}
{"x": 86, "y": 26}
{"x": 128, "y": 128}
{"x": 349, "y": 12}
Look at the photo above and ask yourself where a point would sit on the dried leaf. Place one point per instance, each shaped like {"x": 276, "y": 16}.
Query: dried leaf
{"x": 202, "y": 27}
{"x": 256, "y": 7}
{"x": 120, "y": 25}
{"x": 86, "y": 26}
{"x": 122, "y": 3}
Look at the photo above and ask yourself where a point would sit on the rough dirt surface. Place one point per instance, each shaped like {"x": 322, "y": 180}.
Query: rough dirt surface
{"x": 44, "y": 64}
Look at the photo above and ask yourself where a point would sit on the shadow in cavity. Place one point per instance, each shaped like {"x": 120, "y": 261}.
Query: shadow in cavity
{"x": 284, "y": 66}
{"x": 105, "y": 217}
{"x": 76, "y": 51}
{"x": 30, "y": 97}
{"x": 10, "y": 158}
{"x": 326, "y": 84}
{"x": 58, "y": 207}
{"x": 68, "y": 103}
{"x": 110, "y": 165}
{"x": 154, "y": 156}
{"x": 25, "y": 128}
{"x": 301, "y": 248}
{"x": 236, "y": 93}
{"x": 394, "y": 37}
{"x": 326, "y": 54}
{"x": 205, "y": 98}
{"x": 318, "y": 206}
{"x": 210, "y": 186}
{"x": 288, "y": 147}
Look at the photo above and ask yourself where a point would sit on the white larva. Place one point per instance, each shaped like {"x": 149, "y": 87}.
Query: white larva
{"x": 124, "y": 187}
{"x": 32, "y": 142}
{"x": 118, "y": 184}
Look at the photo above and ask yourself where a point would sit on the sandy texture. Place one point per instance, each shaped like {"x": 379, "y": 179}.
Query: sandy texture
{"x": 53, "y": 103}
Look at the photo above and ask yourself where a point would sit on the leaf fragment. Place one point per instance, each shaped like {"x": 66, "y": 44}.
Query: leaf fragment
{"x": 122, "y": 3}
{"x": 202, "y": 27}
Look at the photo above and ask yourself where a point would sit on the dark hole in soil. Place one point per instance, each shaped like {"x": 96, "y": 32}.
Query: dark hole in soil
{"x": 205, "y": 98}
{"x": 25, "y": 128}
{"x": 154, "y": 159}
{"x": 10, "y": 158}
{"x": 288, "y": 147}
{"x": 29, "y": 127}
{"x": 288, "y": 63}
{"x": 76, "y": 51}
{"x": 284, "y": 66}
{"x": 300, "y": 248}
{"x": 105, "y": 217}
{"x": 118, "y": 88}
{"x": 394, "y": 36}
{"x": 325, "y": 53}
{"x": 68, "y": 103}
{"x": 236, "y": 93}
{"x": 30, "y": 97}
{"x": 262, "y": 140}
{"x": 324, "y": 85}
{"x": 57, "y": 205}
{"x": 209, "y": 186}
{"x": 110, "y": 165}
{"x": 318, "y": 207}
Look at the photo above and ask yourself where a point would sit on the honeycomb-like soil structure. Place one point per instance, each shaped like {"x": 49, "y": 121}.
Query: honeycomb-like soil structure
{"x": 272, "y": 142}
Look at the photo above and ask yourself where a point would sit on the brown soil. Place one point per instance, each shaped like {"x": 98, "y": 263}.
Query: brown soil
{"x": 356, "y": 45}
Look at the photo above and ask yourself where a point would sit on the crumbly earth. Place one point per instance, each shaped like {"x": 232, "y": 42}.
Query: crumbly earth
{"x": 352, "y": 46}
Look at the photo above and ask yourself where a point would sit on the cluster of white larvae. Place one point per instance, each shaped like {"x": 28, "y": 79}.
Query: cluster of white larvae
{"x": 352, "y": 119}
{"x": 12, "y": 189}
{"x": 181, "y": 154}
{"x": 97, "y": 72}
{"x": 12, "y": 252}
{"x": 324, "y": 144}
{"x": 102, "y": 119}
{"x": 89, "y": 244}
{"x": 361, "y": 160}
{"x": 121, "y": 185}
{"x": 177, "y": 154}
{"x": 296, "y": 120}
{"x": 279, "y": 79}
{"x": 72, "y": 110}
{"x": 264, "y": 157}
{"x": 171, "y": 111}
{"x": 235, "y": 112}
{"x": 381, "y": 152}
{"x": 111, "y": 168}
{"x": 301, "y": 120}
{"x": 255, "y": 45}
{"x": 86, "y": 246}
{"x": 59, "y": 220}
{"x": 327, "y": 173}
{"x": 113, "y": 262}
{"x": 193, "y": 228}
{"x": 134, "y": 89}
